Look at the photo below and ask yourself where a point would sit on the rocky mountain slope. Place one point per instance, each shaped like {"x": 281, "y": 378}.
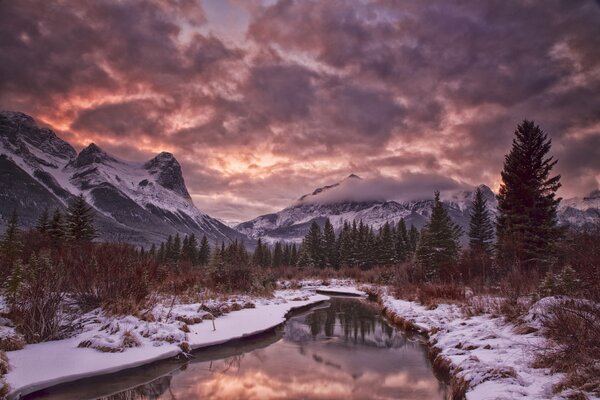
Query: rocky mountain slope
{"x": 134, "y": 202}
{"x": 292, "y": 223}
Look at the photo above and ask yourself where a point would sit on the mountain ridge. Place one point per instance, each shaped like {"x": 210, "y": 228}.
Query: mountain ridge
{"x": 292, "y": 223}
{"x": 135, "y": 202}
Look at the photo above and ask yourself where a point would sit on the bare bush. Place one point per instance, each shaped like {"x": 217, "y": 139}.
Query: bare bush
{"x": 573, "y": 328}
{"x": 37, "y": 297}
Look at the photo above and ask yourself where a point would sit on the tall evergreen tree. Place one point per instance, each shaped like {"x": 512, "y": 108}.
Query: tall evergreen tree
{"x": 439, "y": 242}
{"x": 10, "y": 245}
{"x": 402, "y": 245}
{"x": 277, "y": 260}
{"x": 526, "y": 226}
{"x": 385, "y": 247}
{"x": 312, "y": 246}
{"x": 346, "y": 246}
{"x": 329, "y": 246}
{"x": 80, "y": 221}
{"x": 413, "y": 238}
{"x": 56, "y": 230}
{"x": 176, "y": 249}
{"x": 43, "y": 222}
{"x": 481, "y": 229}
{"x": 204, "y": 252}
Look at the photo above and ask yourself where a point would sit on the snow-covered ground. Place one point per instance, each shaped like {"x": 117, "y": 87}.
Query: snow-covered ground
{"x": 483, "y": 351}
{"x": 107, "y": 345}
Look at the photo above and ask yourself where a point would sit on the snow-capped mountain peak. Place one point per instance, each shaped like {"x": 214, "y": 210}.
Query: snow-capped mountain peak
{"x": 135, "y": 202}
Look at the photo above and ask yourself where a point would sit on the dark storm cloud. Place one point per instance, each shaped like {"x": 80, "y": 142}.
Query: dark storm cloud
{"x": 133, "y": 118}
{"x": 394, "y": 90}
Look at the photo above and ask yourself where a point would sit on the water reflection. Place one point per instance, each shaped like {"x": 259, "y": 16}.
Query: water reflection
{"x": 343, "y": 350}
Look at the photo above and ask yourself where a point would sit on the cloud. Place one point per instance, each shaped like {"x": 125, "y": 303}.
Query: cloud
{"x": 411, "y": 186}
{"x": 314, "y": 90}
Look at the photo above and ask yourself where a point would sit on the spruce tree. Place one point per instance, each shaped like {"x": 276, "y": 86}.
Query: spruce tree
{"x": 10, "y": 245}
{"x": 80, "y": 221}
{"x": 439, "y": 243}
{"x": 312, "y": 246}
{"x": 386, "y": 253}
{"x": 345, "y": 246}
{"x": 43, "y": 222}
{"x": 277, "y": 255}
{"x": 413, "y": 239}
{"x": 402, "y": 245}
{"x": 204, "y": 252}
{"x": 56, "y": 230}
{"x": 329, "y": 246}
{"x": 481, "y": 229}
{"x": 176, "y": 249}
{"x": 526, "y": 225}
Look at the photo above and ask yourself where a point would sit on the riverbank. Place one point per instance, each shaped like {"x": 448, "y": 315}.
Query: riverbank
{"x": 484, "y": 356}
{"x": 110, "y": 344}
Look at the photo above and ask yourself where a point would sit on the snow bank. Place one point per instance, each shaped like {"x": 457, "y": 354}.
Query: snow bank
{"x": 342, "y": 287}
{"x": 129, "y": 342}
{"x": 483, "y": 351}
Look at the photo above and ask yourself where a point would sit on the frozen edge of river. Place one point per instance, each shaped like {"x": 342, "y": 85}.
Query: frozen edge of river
{"x": 42, "y": 365}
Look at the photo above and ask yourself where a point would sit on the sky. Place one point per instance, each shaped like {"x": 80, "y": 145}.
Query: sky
{"x": 263, "y": 101}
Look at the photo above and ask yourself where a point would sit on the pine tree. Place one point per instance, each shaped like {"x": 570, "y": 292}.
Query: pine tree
{"x": 13, "y": 283}
{"x": 526, "y": 225}
{"x": 439, "y": 243}
{"x": 481, "y": 229}
{"x": 56, "y": 230}
{"x": 312, "y": 246}
{"x": 152, "y": 251}
{"x": 385, "y": 247}
{"x": 346, "y": 246}
{"x": 294, "y": 254}
{"x": 204, "y": 252}
{"x": 80, "y": 221}
{"x": 277, "y": 255}
{"x": 257, "y": 256}
{"x": 162, "y": 254}
{"x": 329, "y": 246}
{"x": 402, "y": 245}
{"x": 176, "y": 249}
{"x": 43, "y": 223}
{"x": 413, "y": 239}
{"x": 10, "y": 245}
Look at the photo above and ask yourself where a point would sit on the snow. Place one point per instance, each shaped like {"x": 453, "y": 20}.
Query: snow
{"x": 483, "y": 350}
{"x": 46, "y": 364}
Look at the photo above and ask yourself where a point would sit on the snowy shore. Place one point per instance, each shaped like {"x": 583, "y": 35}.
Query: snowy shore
{"x": 486, "y": 357}
{"x": 129, "y": 342}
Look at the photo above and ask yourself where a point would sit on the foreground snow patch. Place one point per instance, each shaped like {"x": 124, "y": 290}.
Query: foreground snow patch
{"x": 482, "y": 350}
{"x": 108, "y": 345}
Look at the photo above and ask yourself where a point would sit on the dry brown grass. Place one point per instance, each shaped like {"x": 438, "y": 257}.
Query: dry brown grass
{"x": 11, "y": 343}
{"x": 573, "y": 328}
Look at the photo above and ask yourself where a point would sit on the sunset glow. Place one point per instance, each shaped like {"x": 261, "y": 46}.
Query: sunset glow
{"x": 263, "y": 101}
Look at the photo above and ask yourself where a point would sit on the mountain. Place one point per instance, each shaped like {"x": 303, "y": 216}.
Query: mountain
{"x": 333, "y": 202}
{"x": 338, "y": 203}
{"x": 581, "y": 212}
{"x": 135, "y": 202}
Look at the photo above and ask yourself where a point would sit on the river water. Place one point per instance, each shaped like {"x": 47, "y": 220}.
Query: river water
{"x": 342, "y": 349}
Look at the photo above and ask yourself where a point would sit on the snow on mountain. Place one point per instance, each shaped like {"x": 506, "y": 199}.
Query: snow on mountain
{"x": 583, "y": 212}
{"x": 337, "y": 203}
{"x": 135, "y": 202}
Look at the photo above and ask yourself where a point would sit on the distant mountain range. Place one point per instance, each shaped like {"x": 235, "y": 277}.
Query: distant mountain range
{"x": 292, "y": 223}
{"x": 135, "y": 202}
{"x": 143, "y": 203}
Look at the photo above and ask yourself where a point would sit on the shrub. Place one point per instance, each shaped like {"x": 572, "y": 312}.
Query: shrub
{"x": 573, "y": 327}
{"x": 113, "y": 276}
{"x": 37, "y": 296}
